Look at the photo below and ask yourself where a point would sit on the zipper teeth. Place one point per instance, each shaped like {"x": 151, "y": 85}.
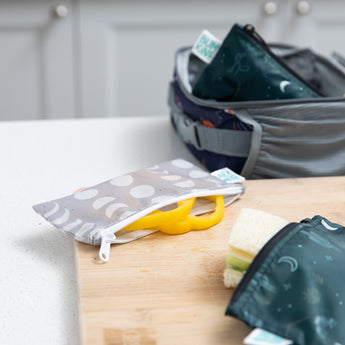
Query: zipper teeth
{"x": 259, "y": 258}
{"x": 250, "y": 30}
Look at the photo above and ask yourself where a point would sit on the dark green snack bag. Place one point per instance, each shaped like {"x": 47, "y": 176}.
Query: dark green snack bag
{"x": 295, "y": 285}
{"x": 245, "y": 69}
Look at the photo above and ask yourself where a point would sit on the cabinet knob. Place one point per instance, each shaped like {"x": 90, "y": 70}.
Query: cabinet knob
{"x": 270, "y": 8}
{"x": 303, "y": 7}
{"x": 61, "y": 11}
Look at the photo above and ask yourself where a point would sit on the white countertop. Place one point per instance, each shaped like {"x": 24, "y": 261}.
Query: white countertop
{"x": 43, "y": 160}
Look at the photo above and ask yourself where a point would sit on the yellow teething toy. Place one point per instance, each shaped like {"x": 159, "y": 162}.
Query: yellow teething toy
{"x": 178, "y": 220}
{"x": 155, "y": 218}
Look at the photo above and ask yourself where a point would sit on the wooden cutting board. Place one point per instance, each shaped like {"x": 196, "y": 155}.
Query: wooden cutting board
{"x": 168, "y": 290}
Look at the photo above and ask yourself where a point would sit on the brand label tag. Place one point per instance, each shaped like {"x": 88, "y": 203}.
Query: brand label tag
{"x": 206, "y": 46}
{"x": 261, "y": 337}
{"x": 228, "y": 176}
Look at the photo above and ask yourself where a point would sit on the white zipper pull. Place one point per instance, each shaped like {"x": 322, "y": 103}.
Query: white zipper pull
{"x": 107, "y": 239}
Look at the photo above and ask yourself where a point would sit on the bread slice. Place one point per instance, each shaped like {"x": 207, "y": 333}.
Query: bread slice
{"x": 251, "y": 231}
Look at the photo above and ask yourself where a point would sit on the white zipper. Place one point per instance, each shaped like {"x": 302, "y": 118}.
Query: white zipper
{"x": 107, "y": 239}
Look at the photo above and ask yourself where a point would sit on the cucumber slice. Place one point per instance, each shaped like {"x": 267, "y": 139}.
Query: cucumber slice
{"x": 236, "y": 263}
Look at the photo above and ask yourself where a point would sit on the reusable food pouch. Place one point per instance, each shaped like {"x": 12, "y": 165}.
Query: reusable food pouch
{"x": 245, "y": 69}
{"x": 295, "y": 285}
{"x": 96, "y": 214}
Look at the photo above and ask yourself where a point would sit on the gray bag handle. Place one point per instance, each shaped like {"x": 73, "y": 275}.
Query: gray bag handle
{"x": 222, "y": 141}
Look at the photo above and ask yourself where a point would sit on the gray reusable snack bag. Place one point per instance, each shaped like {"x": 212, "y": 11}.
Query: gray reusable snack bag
{"x": 97, "y": 215}
{"x": 264, "y": 138}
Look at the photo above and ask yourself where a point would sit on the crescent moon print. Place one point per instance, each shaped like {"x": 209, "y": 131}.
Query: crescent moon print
{"x": 283, "y": 85}
{"x": 290, "y": 261}
{"x": 327, "y": 226}
{"x": 52, "y": 211}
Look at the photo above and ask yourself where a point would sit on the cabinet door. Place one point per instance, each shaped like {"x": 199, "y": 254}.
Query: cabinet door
{"x": 127, "y": 48}
{"x": 35, "y": 61}
{"x": 318, "y": 24}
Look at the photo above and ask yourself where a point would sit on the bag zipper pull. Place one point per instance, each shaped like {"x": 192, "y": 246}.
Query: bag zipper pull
{"x": 107, "y": 239}
{"x": 250, "y": 30}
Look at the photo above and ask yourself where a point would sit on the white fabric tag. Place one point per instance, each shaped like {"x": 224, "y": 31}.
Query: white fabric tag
{"x": 206, "y": 46}
{"x": 261, "y": 337}
{"x": 228, "y": 176}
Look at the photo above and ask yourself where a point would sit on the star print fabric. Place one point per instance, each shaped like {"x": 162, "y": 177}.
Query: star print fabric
{"x": 244, "y": 69}
{"x": 294, "y": 287}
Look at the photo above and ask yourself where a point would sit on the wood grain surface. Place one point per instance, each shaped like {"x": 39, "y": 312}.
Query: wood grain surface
{"x": 168, "y": 290}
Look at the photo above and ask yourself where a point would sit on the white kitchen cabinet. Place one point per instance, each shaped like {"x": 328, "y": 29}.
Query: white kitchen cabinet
{"x": 318, "y": 24}
{"x": 110, "y": 58}
{"x": 128, "y": 47}
{"x": 36, "y": 60}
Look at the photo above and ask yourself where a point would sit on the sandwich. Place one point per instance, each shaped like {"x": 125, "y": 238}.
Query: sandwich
{"x": 250, "y": 232}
